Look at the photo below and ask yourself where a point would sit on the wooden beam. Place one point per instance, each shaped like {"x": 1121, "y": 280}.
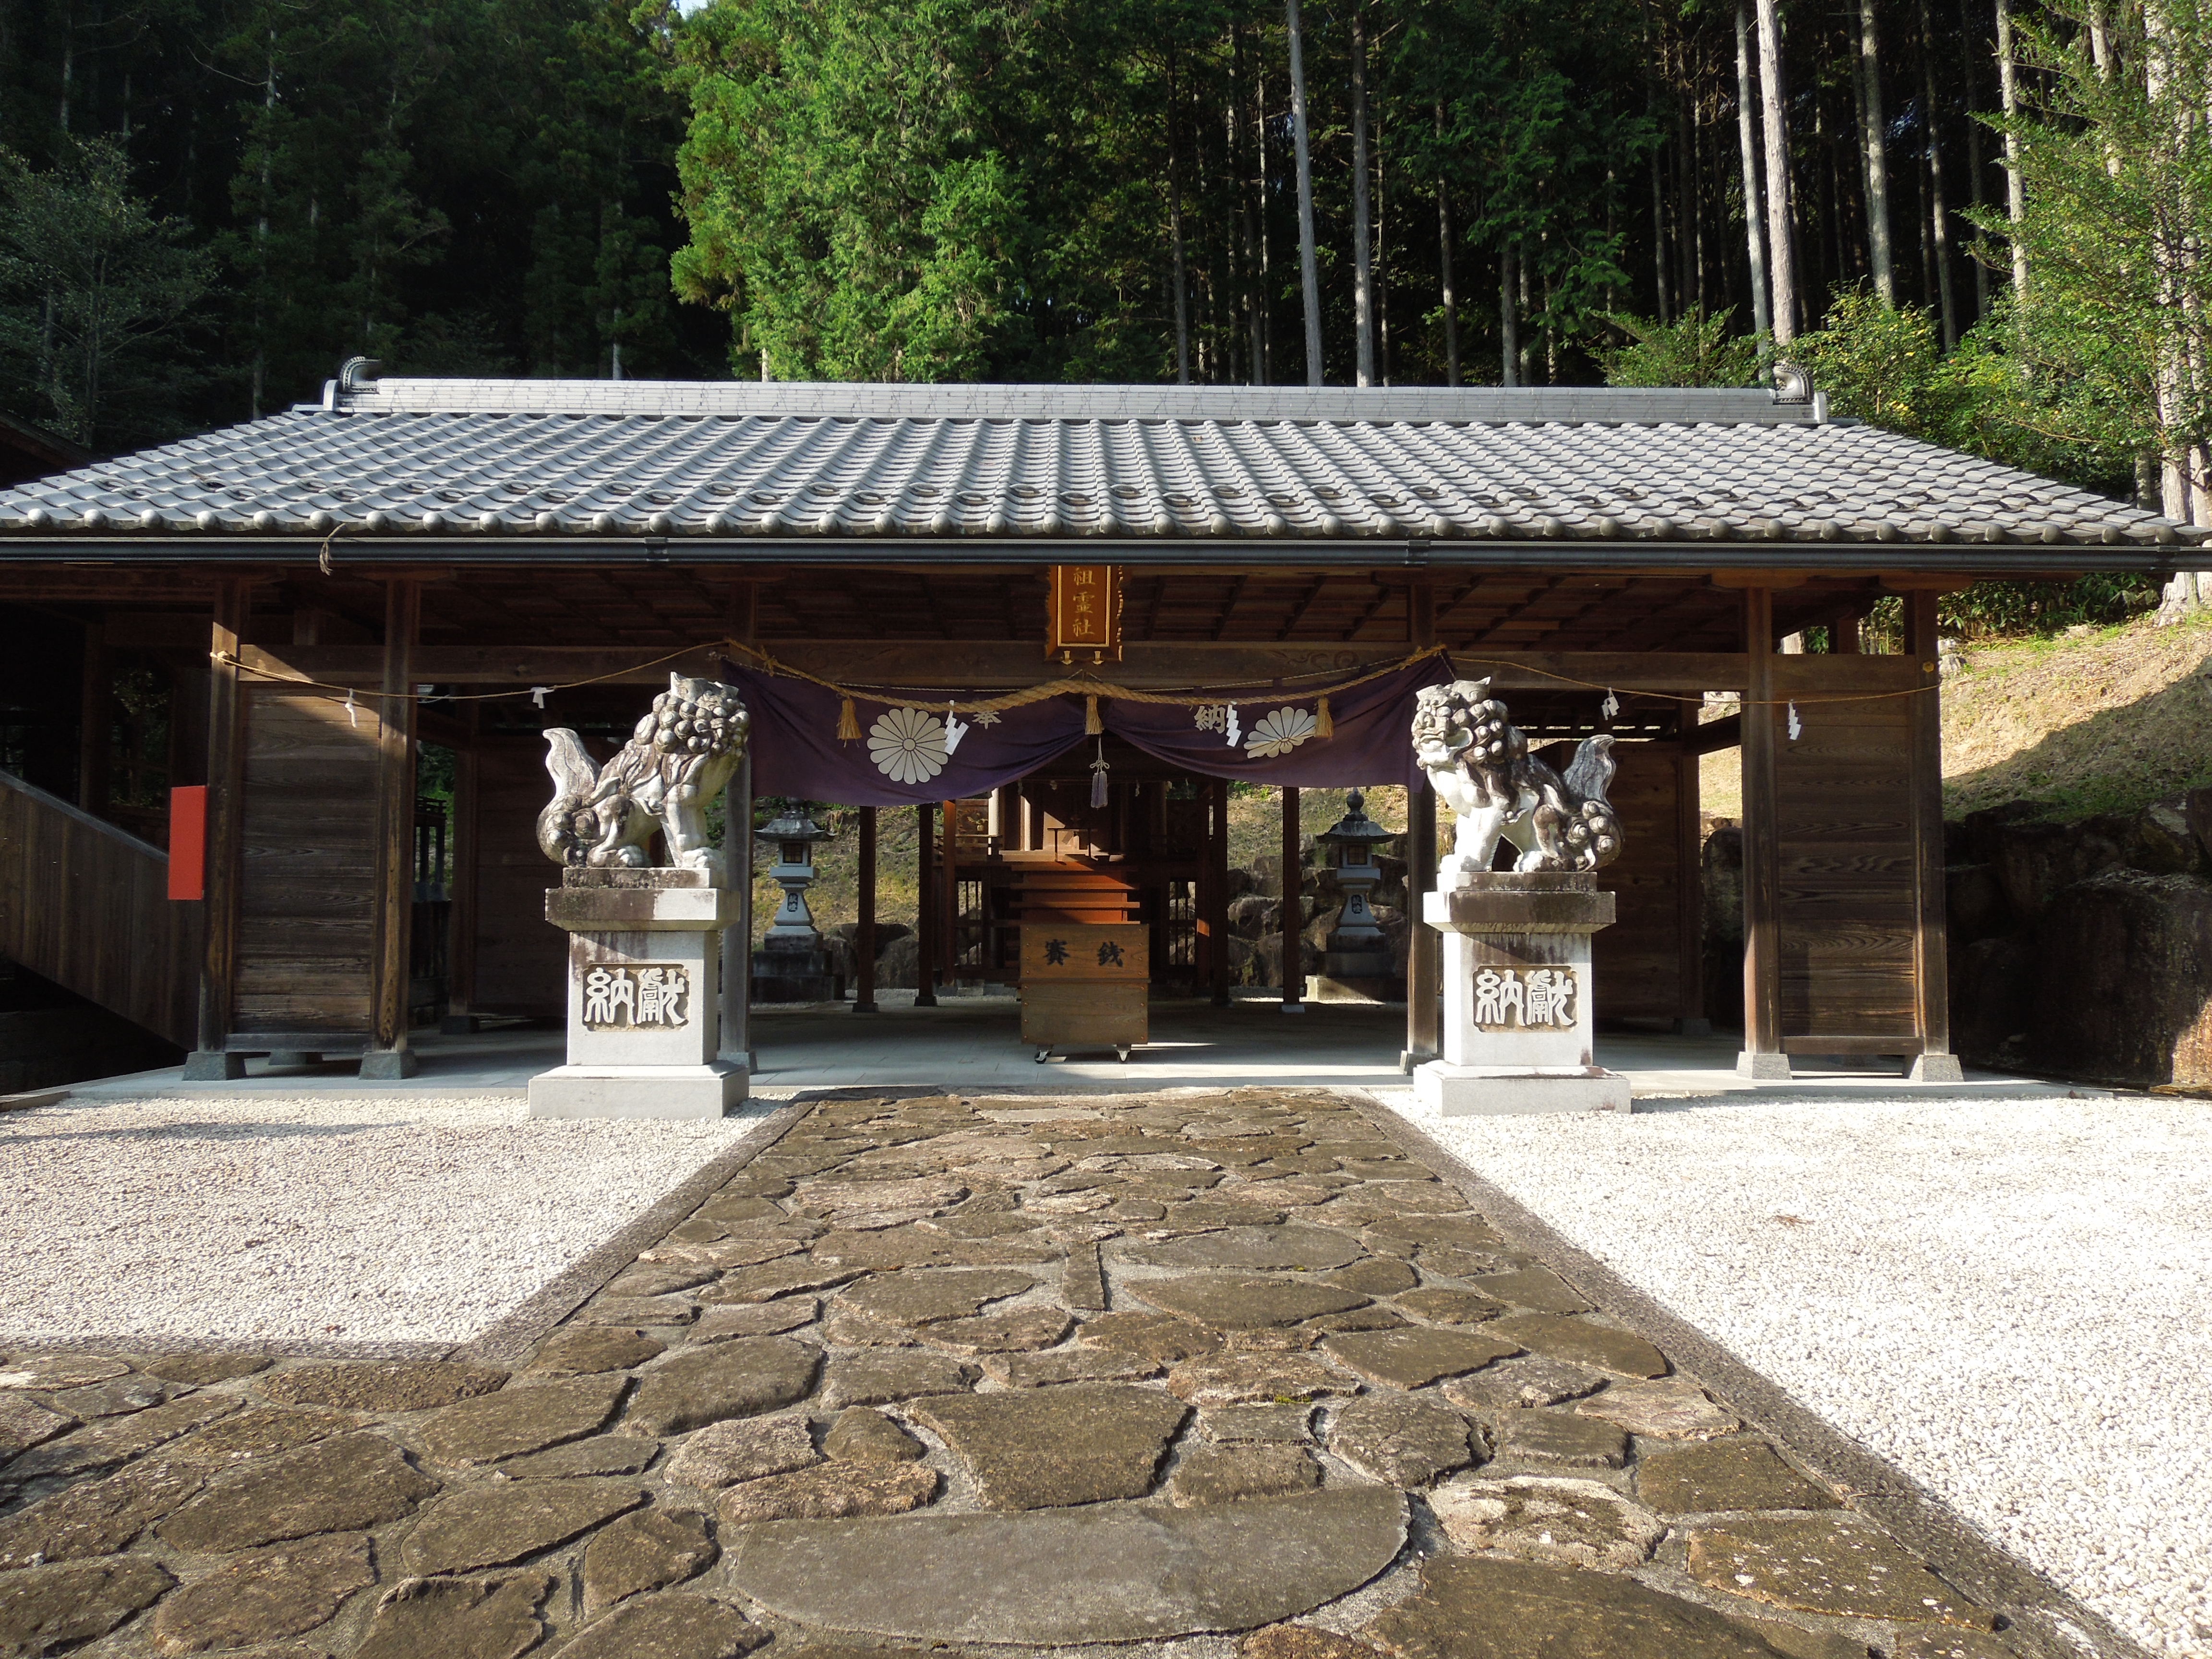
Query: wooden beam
{"x": 1714, "y": 736}
{"x": 389, "y": 1055}
{"x": 1930, "y": 930}
{"x": 210, "y": 1060}
{"x": 1766, "y": 579}
{"x": 988, "y": 664}
{"x": 864, "y": 935}
{"x": 1763, "y": 1055}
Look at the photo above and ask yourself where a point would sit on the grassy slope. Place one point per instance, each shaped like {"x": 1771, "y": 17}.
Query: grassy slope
{"x": 2105, "y": 721}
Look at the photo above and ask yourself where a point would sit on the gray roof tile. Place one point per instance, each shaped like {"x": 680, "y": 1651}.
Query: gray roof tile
{"x": 465, "y": 458}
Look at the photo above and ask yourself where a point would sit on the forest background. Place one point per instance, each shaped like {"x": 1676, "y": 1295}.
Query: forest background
{"x": 1980, "y": 224}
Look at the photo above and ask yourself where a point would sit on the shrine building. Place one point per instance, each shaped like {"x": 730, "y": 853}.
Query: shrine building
{"x": 1239, "y": 584}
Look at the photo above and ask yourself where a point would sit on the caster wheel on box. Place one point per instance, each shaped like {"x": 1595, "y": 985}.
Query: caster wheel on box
{"x": 1124, "y": 1054}
{"x": 1043, "y": 1054}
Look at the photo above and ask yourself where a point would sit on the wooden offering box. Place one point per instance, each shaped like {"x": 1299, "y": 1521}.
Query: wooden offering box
{"x": 1084, "y": 985}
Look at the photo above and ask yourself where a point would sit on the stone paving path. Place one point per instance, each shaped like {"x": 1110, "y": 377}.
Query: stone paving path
{"x": 1195, "y": 1372}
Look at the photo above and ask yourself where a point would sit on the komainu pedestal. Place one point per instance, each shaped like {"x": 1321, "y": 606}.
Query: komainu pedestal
{"x": 1518, "y": 1018}
{"x": 645, "y": 955}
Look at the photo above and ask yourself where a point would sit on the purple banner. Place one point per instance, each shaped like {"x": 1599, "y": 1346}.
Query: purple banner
{"x": 906, "y": 755}
{"x": 913, "y": 753}
{"x": 1279, "y": 741}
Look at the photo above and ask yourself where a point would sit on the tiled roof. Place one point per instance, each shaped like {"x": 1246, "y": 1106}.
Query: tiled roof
{"x": 462, "y": 461}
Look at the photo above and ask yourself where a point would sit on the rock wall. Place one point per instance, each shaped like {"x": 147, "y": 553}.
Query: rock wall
{"x": 2085, "y": 950}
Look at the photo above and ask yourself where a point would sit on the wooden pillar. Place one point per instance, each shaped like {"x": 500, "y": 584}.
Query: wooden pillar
{"x": 1931, "y": 986}
{"x": 210, "y": 1061}
{"x": 1423, "y": 946}
{"x": 1762, "y": 1055}
{"x": 863, "y": 936}
{"x": 389, "y": 1055}
{"x": 461, "y": 937}
{"x": 95, "y": 720}
{"x": 948, "y": 894}
{"x": 736, "y": 1049}
{"x": 1215, "y": 922}
{"x": 1294, "y": 975}
{"x": 925, "y": 911}
{"x": 1425, "y": 1011}
{"x": 1690, "y": 1019}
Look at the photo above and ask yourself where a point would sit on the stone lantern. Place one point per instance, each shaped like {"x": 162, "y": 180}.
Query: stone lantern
{"x": 1358, "y": 965}
{"x": 791, "y": 965}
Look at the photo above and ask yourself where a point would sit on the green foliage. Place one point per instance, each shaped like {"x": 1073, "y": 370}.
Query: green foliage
{"x": 1883, "y": 365}
{"x": 2109, "y": 345}
{"x": 92, "y": 283}
{"x": 1697, "y": 351}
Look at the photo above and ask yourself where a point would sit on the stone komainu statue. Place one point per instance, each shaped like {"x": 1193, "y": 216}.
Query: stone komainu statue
{"x": 1479, "y": 763}
{"x": 679, "y": 758}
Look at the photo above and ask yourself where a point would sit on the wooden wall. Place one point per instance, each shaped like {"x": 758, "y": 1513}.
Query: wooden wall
{"x": 521, "y": 959}
{"x": 1637, "y": 962}
{"x": 1844, "y": 815}
{"x": 307, "y": 910}
{"x": 87, "y": 905}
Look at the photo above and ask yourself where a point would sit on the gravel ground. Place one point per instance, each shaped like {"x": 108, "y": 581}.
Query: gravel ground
{"x": 2009, "y": 1299}
{"x": 325, "y": 1219}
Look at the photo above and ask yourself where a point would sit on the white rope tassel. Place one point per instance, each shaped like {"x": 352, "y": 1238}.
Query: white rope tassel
{"x": 1098, "y": 776}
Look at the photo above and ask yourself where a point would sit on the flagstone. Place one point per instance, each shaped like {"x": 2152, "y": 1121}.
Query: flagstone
{"x": 347, "y": 1483}
{"x": 398, "y": 1386}
{"x": 1148, "y": 1570}
{"x": 1418, "y": 1355}
{"x": 1406, "y": 1441}
{"x": 588, "y": 1349}
{"x": 1261, "y": 1248}
{"x": 1239, "y": 1301}
{"x": 515, "y": 1420}
{"x": 1495, "y": 1607}
{"x": 44, "y": 1609}
{"x": 493, "y": 1618}
{"x": 265, "y": 1596}
{"x": 668, "y": 1627}
{"x": 96, "y": 1517}
{"x": 1575, "y": 1523}
{"x": 1044, "y": 1447}
{"x": 498, "y": 1526}
{"x": 743, "y": 1378}
{"x": 646, "y": 1550}
{"x": 863, "y": 1435}
{"x": 831, "y": 1491}
{"x": 723, "y": 1454}
{"x": 1579, "y": 1342}
{"x": 1739, "y": 1473}
{"x": 1837, "y": 1564}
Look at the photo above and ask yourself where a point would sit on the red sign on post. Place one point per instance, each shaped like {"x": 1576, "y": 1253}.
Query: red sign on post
{"x": 188, "y": 841}
{"x": 1084, "y": 617}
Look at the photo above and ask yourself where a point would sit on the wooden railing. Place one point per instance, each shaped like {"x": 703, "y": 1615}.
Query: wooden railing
{"x": 87, "y": 905}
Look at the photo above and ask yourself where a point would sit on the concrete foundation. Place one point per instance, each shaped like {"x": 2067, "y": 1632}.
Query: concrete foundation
{"x": 1451, "y": 1090}
{"x": 637, "y": 1091}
